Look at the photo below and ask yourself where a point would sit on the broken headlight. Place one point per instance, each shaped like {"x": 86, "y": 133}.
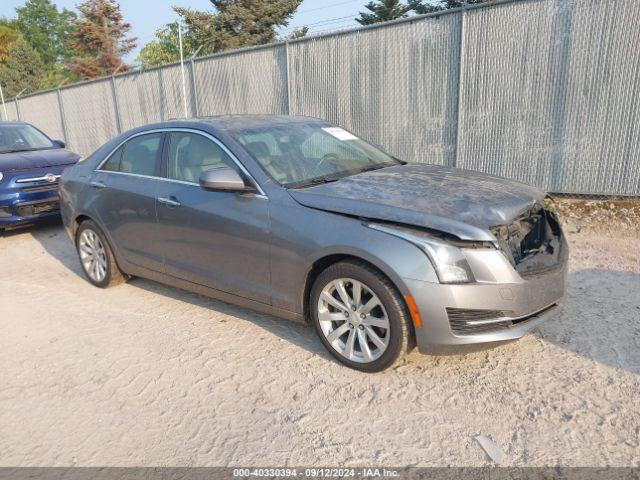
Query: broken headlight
{"x": 450, "y": 264}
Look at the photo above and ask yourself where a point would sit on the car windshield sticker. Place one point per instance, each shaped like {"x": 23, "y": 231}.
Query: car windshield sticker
{"x": 339, "y": 133}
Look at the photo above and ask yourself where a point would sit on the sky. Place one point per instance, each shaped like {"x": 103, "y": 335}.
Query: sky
{"x": 147, "y": 16}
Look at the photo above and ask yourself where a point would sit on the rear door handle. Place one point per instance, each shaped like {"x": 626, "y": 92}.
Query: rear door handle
{"x": 169, "y": 202}
{"x": 95, "y": 184}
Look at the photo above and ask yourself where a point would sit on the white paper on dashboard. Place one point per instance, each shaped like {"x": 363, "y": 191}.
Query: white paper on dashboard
{"x": 340, "y": 133}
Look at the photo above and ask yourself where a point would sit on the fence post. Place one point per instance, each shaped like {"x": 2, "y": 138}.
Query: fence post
{"x": 161, "y": 95}
{"x": 62, "y": 121}
{"x": 194, "y": 90}
{"x": 115, "y": 104}
{"x": 563, "y": 34}
{"x": 18, "y": 108}
{"x": 4, "y": 107}
{"x": 458, "y": 95}
{"x": 286, "y": 56}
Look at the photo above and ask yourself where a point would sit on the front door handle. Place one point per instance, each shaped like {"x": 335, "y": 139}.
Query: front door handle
{"x": 96, "y": 184}
{"x": 169, "y": 202}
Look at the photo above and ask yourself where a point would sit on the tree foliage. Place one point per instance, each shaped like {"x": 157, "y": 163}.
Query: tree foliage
{"x": 59, "y": 75}
{"x": 297, "y": 32}
{"x": 165, "y": 48}
{"x": 23, "y": 69}
{"x": 430, "y": 6}
{"x": 383, "y": 11}
{"x": 101, "y": 39}
{"x": 46, "y": 29}
{"x": 8, "y": 36}
{"x": 421, "y": 7}
{"x": 237, "y": 23}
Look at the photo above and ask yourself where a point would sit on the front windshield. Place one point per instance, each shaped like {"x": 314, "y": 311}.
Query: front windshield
{"x": 20, "y": 137}
{"x": 299, "y": 155}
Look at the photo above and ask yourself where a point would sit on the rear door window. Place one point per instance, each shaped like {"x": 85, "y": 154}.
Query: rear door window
{"x": 139, "y": 156}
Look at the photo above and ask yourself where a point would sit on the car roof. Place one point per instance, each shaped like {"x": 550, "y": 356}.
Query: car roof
{"x": 230, "y": 123}
{"x": 221, "y": 126}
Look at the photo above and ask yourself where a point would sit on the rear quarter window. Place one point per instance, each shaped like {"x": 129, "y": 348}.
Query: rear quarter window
{"x": 140, "y": 156}
{"x": 113, "y": 164}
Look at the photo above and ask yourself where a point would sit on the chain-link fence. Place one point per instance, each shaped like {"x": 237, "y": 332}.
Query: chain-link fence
{"x": 542, "y": 91}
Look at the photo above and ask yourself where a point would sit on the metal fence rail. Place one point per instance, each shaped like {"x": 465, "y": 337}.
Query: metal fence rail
{"x": 542, "y": 91}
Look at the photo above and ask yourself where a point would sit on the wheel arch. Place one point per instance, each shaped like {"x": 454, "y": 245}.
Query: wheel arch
{"x": 324, "y": 261}
{"x": 77, "y": 221}
{"x": 80, "y": 219}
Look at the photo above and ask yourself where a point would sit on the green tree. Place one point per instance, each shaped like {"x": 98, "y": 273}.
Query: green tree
{"x": 101, "y": 40}
{"x": 459, "y": 3}
{"x": 383, "y": 11}
{"x": 421, "y": 8}
{"x": 237, "y": 23}
{"x": 46, "y": 29}
{"x": 59, "y": 75}
{"x": 165, "y": 48}
{"x": 430, "y": 6}
{"x": 23, "y": 69}
{"x": 297, "y": 32}
{"x": 8, "y": 36}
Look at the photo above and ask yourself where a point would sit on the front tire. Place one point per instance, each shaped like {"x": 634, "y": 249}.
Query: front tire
{"x": 96, "y": 258}
{"x": 360, "y": 316}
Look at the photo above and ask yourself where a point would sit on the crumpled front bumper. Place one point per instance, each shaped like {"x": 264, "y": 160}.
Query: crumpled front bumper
{"x": 523, "y": 303}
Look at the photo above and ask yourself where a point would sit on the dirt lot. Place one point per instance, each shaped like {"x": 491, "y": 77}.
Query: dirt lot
{"x": 143, "y": 374}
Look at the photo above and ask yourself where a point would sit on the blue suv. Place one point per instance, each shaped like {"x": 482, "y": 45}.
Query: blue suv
{"x": 31, "y": 165}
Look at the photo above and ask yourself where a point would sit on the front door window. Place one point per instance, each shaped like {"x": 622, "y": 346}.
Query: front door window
{"x": 191, "y": 154}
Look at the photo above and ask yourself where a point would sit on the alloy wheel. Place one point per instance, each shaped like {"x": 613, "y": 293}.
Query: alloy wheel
{"x": 93, "y": 255}
{"x": 353, "y": 320}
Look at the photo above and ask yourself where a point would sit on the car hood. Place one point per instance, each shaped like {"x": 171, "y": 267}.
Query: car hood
{"x": 459, "y": 202}
{"x": 36, "y": 159}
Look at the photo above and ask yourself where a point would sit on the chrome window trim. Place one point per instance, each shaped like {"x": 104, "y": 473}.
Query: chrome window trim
{"x": 261, "y": 193}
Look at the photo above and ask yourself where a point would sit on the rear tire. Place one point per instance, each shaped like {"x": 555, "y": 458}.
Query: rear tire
{"x": 96, "y": 258}
{"x": 360, "y": 316}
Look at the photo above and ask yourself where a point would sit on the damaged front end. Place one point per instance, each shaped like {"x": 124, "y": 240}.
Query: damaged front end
{"x": 533, "y": 243}
{"x": 518, "y": 283}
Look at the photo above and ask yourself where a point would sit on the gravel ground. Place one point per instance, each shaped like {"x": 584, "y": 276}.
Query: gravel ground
{"x": 143, "y": 374}
{"x": 619, "y": 216}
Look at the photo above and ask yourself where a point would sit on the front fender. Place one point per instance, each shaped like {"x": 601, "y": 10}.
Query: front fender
{"x": 395, "y": 257}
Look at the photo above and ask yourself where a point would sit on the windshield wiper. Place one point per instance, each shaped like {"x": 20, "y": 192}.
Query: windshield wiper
{"x": 378, "y": 166}
{"x": 315, "y": 181}
{"x": 321, "y": 180}
{"x": 370, "y": 168}
{"x": 335, "y": 177}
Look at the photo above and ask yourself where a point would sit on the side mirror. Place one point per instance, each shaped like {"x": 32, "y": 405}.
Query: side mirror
{"x": 59, "y": 143}
{"x": 224, "y": 180}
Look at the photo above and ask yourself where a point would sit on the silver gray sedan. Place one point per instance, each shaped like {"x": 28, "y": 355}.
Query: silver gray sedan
{"x": 303, "y": 219}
